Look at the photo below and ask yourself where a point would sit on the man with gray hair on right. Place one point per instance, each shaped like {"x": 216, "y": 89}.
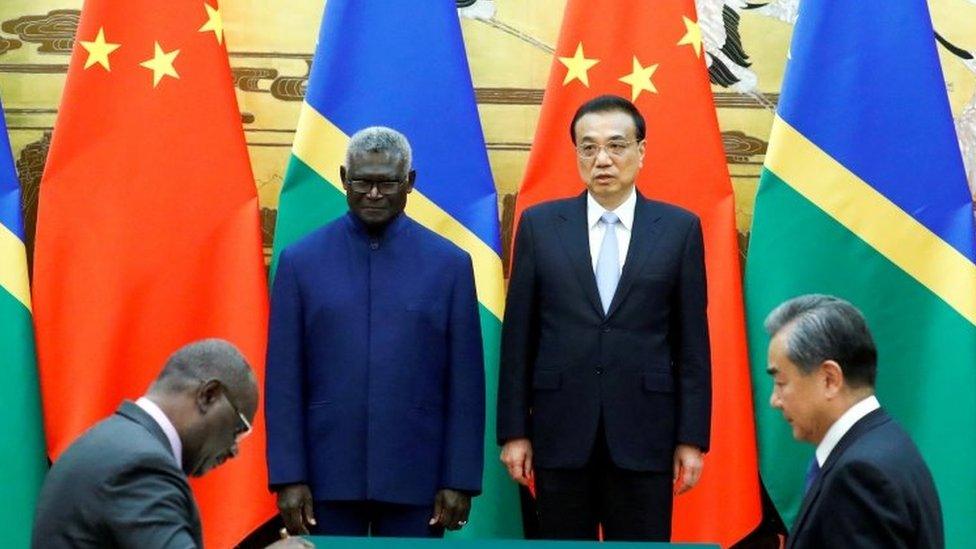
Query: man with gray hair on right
{"x": 867, "y": 485}
{"x": 375, "y": 383}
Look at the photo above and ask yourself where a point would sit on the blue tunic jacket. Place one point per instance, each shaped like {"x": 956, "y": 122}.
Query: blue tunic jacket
{"x": 375, "y": 378}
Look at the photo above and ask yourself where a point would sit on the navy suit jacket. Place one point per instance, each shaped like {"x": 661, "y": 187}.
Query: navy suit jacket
{"x": 643, "y": 366}
{"x": 874, "y": 490}
{"x": 117, "y": 485}
{"x": 375, "y": 373}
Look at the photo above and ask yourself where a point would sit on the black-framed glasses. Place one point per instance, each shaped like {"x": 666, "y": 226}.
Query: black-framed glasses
{"x": 615, "y": 148}
{"x": 362, "y": 186}
{"x": 244, "y": 426}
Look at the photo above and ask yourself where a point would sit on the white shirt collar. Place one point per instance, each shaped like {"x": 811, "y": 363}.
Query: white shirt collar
{"x": 166, "y": 425}
{"x": 844, "y": 424}
{"x": 625, "y": 211}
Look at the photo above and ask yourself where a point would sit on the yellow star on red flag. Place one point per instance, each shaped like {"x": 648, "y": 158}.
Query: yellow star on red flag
{"x": 693, "y": 35}
{"x": 639, "y": 79}
{"x": 99, "y": 50}
{"x": 577, "y": 66}
{"x": 161, "y": 64}
{"x": 215, "y": 23}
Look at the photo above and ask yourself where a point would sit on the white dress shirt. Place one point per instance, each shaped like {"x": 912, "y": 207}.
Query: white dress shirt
{"x": 625, "y": 212}
{"x": 844, "y": 424}
{"x": 176, "y": 445}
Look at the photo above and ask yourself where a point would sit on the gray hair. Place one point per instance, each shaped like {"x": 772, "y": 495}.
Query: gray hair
{"x": 380, "y": 139}
{"x": 204, "y": 360}
{"x": 826, "y": 328}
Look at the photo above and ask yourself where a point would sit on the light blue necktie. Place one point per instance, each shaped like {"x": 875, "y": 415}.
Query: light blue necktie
{"x": 608, "y": 263}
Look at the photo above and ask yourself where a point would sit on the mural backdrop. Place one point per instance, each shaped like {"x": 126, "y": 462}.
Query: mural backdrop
{"x": 509, "y": 44}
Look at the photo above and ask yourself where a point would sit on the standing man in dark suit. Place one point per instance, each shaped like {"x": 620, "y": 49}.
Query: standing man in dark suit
{"x": 123, "y": 483}
{"x": 867, "y": 485}
{"x": 605, "y": 385}
{"x": 375, "y": 390}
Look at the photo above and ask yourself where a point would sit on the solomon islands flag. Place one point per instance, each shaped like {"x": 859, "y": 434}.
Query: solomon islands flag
{"x": 22, "y": 449}
{"x": 863, "y": 196}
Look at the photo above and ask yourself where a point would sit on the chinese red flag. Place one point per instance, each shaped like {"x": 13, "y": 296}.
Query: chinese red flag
{"x": 148, "y": 233}
{"x": 652, "y": 53}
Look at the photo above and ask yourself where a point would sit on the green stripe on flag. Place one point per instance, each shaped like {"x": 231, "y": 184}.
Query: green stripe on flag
{"x": 927, "y": 351}
{"x": 22, "y": 449}
{"x": 307, "y": 202}
{"x": 492, "y": 513}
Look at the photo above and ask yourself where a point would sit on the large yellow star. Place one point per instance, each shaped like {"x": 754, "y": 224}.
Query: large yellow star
{"x": 214, "y": 23}
{"x": 99, "y": 50}
{"x": 640, "y": 79}
{"x": 692, "y": 37}
{"x": 161, "y": 64}
{"x": 577, "y": 66}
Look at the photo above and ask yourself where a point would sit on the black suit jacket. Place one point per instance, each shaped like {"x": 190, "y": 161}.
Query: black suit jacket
{"x": 644, "y": 366}
{"x": 874, "y": 490}
{"x": 117, "y": 485}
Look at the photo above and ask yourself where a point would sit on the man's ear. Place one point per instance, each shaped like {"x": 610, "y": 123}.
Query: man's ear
{"x": 411, "y": 179}
{"x": 342, "y": 175}
{"x": 833, "y": 376}
{"x": 207, "y": 395}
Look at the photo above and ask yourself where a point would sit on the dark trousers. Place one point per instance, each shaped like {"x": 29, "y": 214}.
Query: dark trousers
{"x": 362, "y": 518}
{"x": 629, "y": 505}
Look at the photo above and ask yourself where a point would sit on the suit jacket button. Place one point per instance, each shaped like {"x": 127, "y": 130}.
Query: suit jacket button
{"x": 606, "y": 329}
{"x": 599, "y": 370}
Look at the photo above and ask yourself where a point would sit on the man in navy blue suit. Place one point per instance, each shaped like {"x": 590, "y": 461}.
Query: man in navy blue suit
{"x": 867, "y": 485}
{"x": 375, "y": 381}
{"x": 605, "y": 386}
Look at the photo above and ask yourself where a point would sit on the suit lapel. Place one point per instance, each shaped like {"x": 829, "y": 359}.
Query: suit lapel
{"x": 643, "y": 238}
{"x": 575, "y": 237}
{"x": 808, "y": 499}
{"x": 863, "y": 425}
{"x": 130, "y": 410}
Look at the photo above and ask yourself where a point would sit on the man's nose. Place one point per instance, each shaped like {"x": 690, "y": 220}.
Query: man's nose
{"x": 603, "y": 157}
{"x": 374, "y": 193}
{"x": 774, "y": 400}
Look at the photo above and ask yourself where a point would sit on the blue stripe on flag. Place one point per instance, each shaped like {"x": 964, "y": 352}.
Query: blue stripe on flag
{"x": 402, "y": 64}
{"x": 10, "y": 212}
{"x": 897, "y": 135}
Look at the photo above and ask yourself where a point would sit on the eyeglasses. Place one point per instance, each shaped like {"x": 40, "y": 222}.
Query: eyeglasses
{"x": 361, "y": 186}
{"x": 615, "y": 148}
{"x": 244, "y": 427}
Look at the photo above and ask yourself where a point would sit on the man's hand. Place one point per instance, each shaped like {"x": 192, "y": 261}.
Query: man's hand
{"x": 517, "y": 456}
{"x": 451, "y": 509}
{"x": 688, "y": 463}
{"x": 295, "y": 506}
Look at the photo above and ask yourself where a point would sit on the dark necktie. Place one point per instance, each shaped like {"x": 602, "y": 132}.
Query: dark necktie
{"x": 813, "y": 471}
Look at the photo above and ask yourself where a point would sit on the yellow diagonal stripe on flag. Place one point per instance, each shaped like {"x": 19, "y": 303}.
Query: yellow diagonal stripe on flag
{"x": 321, "y": 145}
{"x": 13, "y": 266}
{"x": 873, "y": 218}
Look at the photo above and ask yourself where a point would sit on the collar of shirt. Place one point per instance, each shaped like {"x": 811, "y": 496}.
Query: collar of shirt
{"x": 596, "y": 230}
{"x": 844, "y": 424}
{"x": 387, "y": 232}
{"x": 166, "y": 425}
{"x": 625, "y": 211}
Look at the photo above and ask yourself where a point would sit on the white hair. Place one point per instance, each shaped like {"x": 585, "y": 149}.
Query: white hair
{"x": 380, "y": 139}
